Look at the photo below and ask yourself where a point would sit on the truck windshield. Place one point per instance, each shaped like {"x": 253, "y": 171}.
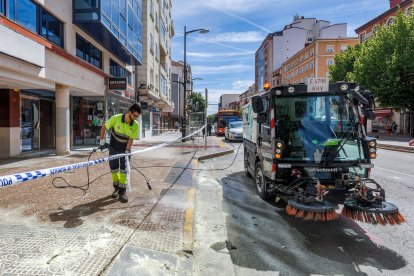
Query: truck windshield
{"x": 313, "y": 126}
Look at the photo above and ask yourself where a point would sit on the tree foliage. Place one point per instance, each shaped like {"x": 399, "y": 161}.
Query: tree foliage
{"x": 384, "y": 64}
{"x": 343, "y": 68}
{"x": 197, "y": 98}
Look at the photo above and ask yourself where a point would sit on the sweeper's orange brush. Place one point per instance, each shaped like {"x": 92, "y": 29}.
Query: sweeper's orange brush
{"x": 315, "y": 210}
{"x": 385, "y": 213}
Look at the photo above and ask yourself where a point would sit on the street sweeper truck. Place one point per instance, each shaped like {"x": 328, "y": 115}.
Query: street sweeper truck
{"x": 306, "y": 144}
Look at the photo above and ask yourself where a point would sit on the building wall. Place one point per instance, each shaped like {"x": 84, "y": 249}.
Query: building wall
{"x": 312, "y": 61}
{"x": 157, "y": 53}
{"x": 226, "y": 99}
{"x": 29, "y": 61}
{"x": 367, "y": 30}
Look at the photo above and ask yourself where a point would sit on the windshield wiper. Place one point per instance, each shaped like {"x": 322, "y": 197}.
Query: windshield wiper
{"x": 341, "y": 144}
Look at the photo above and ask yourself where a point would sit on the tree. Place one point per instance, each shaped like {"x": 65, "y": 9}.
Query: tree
{"x": 198, "y": 101}
{"x": 386, "y": 64}
{"x": 212, "y": 118}
{"x": 343, "y": 68}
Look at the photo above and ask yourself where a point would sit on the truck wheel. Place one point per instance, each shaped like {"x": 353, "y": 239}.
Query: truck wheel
{"x": 260, "y": 181}
{"x": 246, "y": 165}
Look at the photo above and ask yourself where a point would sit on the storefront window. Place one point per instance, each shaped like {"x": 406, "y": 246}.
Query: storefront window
{"x": 88, "y": 115}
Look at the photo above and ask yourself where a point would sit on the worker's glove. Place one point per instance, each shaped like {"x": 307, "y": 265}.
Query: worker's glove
{"x": 127, "y": 151}
{"x": 102, "y": 145}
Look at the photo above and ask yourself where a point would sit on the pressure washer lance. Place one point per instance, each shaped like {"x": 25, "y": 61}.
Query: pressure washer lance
{"x": 106, "y": 146}
{"x": 367, "y": 204}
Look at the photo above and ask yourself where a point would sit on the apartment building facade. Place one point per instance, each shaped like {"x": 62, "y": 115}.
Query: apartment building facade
{"x": 386, "y": 115}
{"x": 314, "y": 60}
{"x": 280, "y": 46}
{"x": 55, "y": 63}
{"x": 154, "y": 76}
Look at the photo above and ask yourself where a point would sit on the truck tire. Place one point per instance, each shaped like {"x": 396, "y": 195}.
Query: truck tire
{"x": 246, "y": 164}
{"x": 260, "y": 181}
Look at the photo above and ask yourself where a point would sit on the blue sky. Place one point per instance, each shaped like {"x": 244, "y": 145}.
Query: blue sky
{"x": 224, "y": 58}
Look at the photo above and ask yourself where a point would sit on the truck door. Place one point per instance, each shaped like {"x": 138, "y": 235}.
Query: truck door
{"x": 265, "y": 146}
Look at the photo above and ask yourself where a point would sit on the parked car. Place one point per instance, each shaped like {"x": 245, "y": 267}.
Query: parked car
{"x": 234, "y": 130}
{"x": 26, "y": 130}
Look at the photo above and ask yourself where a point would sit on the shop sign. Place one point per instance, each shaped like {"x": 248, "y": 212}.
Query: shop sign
{"x": 154, "y": 109}
{"x": 167, "y": 109}
{"x": 117, "y": 84}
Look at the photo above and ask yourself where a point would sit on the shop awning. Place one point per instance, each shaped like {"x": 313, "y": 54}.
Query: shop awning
{"x": 383, "y": 113}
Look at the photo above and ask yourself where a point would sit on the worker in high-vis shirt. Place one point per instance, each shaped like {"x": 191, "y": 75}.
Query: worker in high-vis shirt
{"x": 124, "y": 129}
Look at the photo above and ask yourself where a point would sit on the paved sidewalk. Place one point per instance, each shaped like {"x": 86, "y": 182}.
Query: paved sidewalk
{"x": 398, "y": 142}
{"x": 81, "y": 230}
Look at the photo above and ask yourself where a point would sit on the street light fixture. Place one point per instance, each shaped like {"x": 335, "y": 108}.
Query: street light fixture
{"x": 184, "y": 121}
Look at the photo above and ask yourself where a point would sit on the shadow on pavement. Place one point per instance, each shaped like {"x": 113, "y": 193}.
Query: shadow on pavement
{"x": 73, "y": 216}
{"x": 267, "y": 239}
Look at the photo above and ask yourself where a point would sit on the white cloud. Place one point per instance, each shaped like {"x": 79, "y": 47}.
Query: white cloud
{"x": 239, "y": 37}
{"x": 224, "y": 69}
{"x": 212, "y": 54}
{"x": 242, "y": 85}
{"x": 241, "y": 6}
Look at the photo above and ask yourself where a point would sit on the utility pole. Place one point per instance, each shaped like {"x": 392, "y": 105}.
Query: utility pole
{"x": 205, "y": 119}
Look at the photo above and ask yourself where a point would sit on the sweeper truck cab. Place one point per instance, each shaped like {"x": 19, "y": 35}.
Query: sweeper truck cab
{"x": 306, "y": 144}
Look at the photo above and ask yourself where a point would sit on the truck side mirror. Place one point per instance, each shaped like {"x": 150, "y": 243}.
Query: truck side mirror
{"x": 361, "y": 99}
{"x": 261, "y": 118}
{"x": 257, "y": 104}
{"x": 369, "y": 114}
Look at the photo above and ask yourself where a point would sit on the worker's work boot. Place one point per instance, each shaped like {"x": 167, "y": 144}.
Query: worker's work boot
{"x": 122, "y": 195}
{"x": 115, "y": 193}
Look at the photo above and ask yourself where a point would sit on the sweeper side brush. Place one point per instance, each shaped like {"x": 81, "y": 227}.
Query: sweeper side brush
{"x": 315, "y": 210}
{"x": 385, "y": 213}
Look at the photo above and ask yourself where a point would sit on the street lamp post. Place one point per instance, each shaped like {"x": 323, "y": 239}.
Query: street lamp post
{"x": 184, "y": 121}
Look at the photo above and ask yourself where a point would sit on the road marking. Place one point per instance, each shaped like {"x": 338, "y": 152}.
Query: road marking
{"x": 189, "y": 214}
{"x": 410, "y": 175}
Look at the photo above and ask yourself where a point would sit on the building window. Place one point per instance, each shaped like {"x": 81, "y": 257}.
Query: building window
{"x": 152, "y": 9}
{"x": 390, "y": 21}
{"x": 310, "y": 39}
{"x": 311, "y": 64}
{"x": 329, "y": 49}
{"x": 3, "y": 7}
{"x": 312, "y": 53}
{"x": 362, "y": 37}
{"x": 375, "y": 29}
{"x": 306, "y": 67}
{"x": 26, "y": 12}
{"x": 151, "y": 42}
{"x": 410, "y": 11}
{"x": 328, "y": 74}
{"x": 116, "y": 70}
{"x": 51, "y": 28}
{"x": 344, "y": 47}
{"x": 86, "y": 51}
{"x": 306, "y": 55}
{"x": 329, "y": 62}
{"x": 301, "y": 69}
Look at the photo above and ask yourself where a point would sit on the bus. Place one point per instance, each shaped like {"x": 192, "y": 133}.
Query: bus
{"x": 224, "y": 117}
